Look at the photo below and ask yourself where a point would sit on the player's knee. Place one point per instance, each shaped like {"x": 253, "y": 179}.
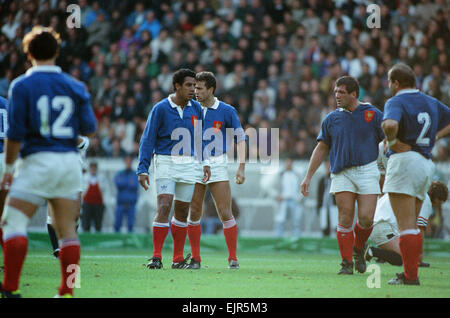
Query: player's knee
{"x": 164, "y": 208}
{"x": 225, "y": 212}
{"x": 14, "y": 222}
{"x": 365, "y": 221}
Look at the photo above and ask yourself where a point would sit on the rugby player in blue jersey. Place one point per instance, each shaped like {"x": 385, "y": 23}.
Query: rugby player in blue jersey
{"x": 175, "y": 166}
{"x": 350, "y": 135}
{"x": 412, "y": 123}
{"x": 47, "y": 111}
{"x": 219, "y": 118}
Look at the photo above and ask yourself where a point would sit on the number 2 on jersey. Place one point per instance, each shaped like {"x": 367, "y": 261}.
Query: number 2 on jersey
{"x": 423, "y": 118}
{"x": 57, "y": 129}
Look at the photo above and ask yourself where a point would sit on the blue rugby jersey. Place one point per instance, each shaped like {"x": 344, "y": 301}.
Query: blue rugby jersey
{"x": 163, "y": 119}
{"x": 47, "y": 111}
{"x": 353, "y": 137}
{"x": 218, "y": 118}
{"x": 3, "y": 120}
{"x": 419, "y": 116}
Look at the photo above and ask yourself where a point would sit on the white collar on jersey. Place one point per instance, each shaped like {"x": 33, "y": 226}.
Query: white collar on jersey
{"x": 214, "y": 106}
{"x": 175, "y": 105}
{"x": 44, "y": 68}
{"x": 406, "y": 91}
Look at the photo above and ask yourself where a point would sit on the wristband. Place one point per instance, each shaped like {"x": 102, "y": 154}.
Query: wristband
{"x": 392, "y": 142}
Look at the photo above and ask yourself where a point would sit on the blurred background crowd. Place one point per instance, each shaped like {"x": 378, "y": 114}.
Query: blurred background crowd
{"x": 275, "y": 60}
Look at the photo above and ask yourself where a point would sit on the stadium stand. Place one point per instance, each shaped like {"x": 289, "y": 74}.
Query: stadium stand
{"x": 276, "y": 61}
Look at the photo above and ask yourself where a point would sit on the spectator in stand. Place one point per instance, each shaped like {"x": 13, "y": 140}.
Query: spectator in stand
{"x": 93, "y": 207}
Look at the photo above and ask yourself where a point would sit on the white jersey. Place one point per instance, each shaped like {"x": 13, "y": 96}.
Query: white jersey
{"x": 384, "y": 212}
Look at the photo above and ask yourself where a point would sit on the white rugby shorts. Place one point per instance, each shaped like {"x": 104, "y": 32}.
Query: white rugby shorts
{"x": 181, "y": 191}
{"x": 360, "y": 179}
{"x": 408, "y": 173}
{"x": 182, "y": 169}
{"x": 219, "y": 170}
{"x": 383, "y": 232}
{"x": 47, "y": 175}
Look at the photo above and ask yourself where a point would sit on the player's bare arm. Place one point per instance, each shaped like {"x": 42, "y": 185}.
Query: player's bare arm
{"x": 12, "y": 149}
{"x": 240, "y": 174}
{"x": 443, "y": 132}
{"x": 390, "y": 128}
{"x": 317, "y": 157}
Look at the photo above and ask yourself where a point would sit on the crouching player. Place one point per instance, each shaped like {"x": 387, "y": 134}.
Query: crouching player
{"x": 218, "y": 116}
{"x": 47, "y": 111}
{"x": 385, "y": 234}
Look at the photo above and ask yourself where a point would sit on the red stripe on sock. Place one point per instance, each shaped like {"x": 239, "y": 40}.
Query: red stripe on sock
{"x": 361, "y": 235}
{"x": 69, "y": 258}
{"x": 14, "y": 251}
{"x": 194, "y": 232}
{"x": 179, "y": 240}
{"x": 411, "y": 247}
{"x": 159, "y": 235}
{"x": 345, "y": 243}
{"x": 231, "y": 241}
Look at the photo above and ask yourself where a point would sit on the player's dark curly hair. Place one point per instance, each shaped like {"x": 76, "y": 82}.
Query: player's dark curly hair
{"x": 42, "y": 43}
{"x": 208, "y": 78}
{"x": 180, "y": 75}
{"x": 438, "y": 190}
{"x": 351, "y": 84}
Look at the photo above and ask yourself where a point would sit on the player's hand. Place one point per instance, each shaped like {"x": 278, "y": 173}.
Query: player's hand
{"x": 206, "y": 173}
{"x": 7, "y": 179}
{"x": 240, "y": 176}
{"x": 304, "y": 187}
{"x": 144, "y": 181}
{"x": 400, "y": 147}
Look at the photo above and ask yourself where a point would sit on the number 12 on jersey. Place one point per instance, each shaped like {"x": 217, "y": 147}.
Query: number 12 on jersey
{"x": 62, "y": 104}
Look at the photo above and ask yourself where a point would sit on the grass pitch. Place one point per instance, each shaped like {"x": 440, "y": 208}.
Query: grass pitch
{"x": 120, "y": 273}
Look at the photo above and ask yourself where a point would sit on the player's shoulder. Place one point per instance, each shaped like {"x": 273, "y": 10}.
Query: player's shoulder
{"x": 226, "y": 107}
{"x": 369, "y": 106}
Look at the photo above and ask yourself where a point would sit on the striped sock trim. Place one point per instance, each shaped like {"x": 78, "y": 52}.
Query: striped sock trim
{"x": 69, "y": 242}
{"x": 410, "y": 232}
{"x": 179, "y": 223}
{"x": 229, "y": 223}
{"x": 342, "y": 229}
{"x": 157, "y": 224}
{"x": 194, "y": 222}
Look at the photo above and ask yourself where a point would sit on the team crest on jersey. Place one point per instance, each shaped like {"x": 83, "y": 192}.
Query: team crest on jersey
{"x": 369, "y": 115}
{"x": 194, "y": 120}
{"x": 217, "y": 125}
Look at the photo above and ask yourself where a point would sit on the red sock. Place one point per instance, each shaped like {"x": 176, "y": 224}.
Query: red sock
{"x": 410, "y": 246}
{"x": 230, "y": 233}
{"x": 345, "y": 242}
{"x": 159, "y": 233}
{"x": 69, "y": 258}
{"x": 15, "y": 250}
{"x": 194, "y": 232}
{"x": 361, "y": 235}
{"x": 179, "y": 233}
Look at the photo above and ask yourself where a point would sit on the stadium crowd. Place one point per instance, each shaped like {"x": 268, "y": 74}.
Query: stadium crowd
{"x": 276, "y": 60}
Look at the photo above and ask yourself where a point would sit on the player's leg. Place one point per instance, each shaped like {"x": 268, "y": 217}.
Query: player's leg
{"x": 178, "y": 228}
{"x": 160, "y": 228}
{"x": 15, "y": 219}
{"x": 194, "y": 230}
{"x": 346, "y": 211}
{"x": 363, "y": 228}
{"x": 221, "y": 194}
{"x": 3, "y": 194}
{"x": 65, "y": 214}
{"x": 389, "y": 252}
{"x": 51, "y": 232}
{"x": 410, "y": 242}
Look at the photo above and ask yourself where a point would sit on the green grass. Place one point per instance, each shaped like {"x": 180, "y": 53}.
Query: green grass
{"x": 120, "y": 273}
